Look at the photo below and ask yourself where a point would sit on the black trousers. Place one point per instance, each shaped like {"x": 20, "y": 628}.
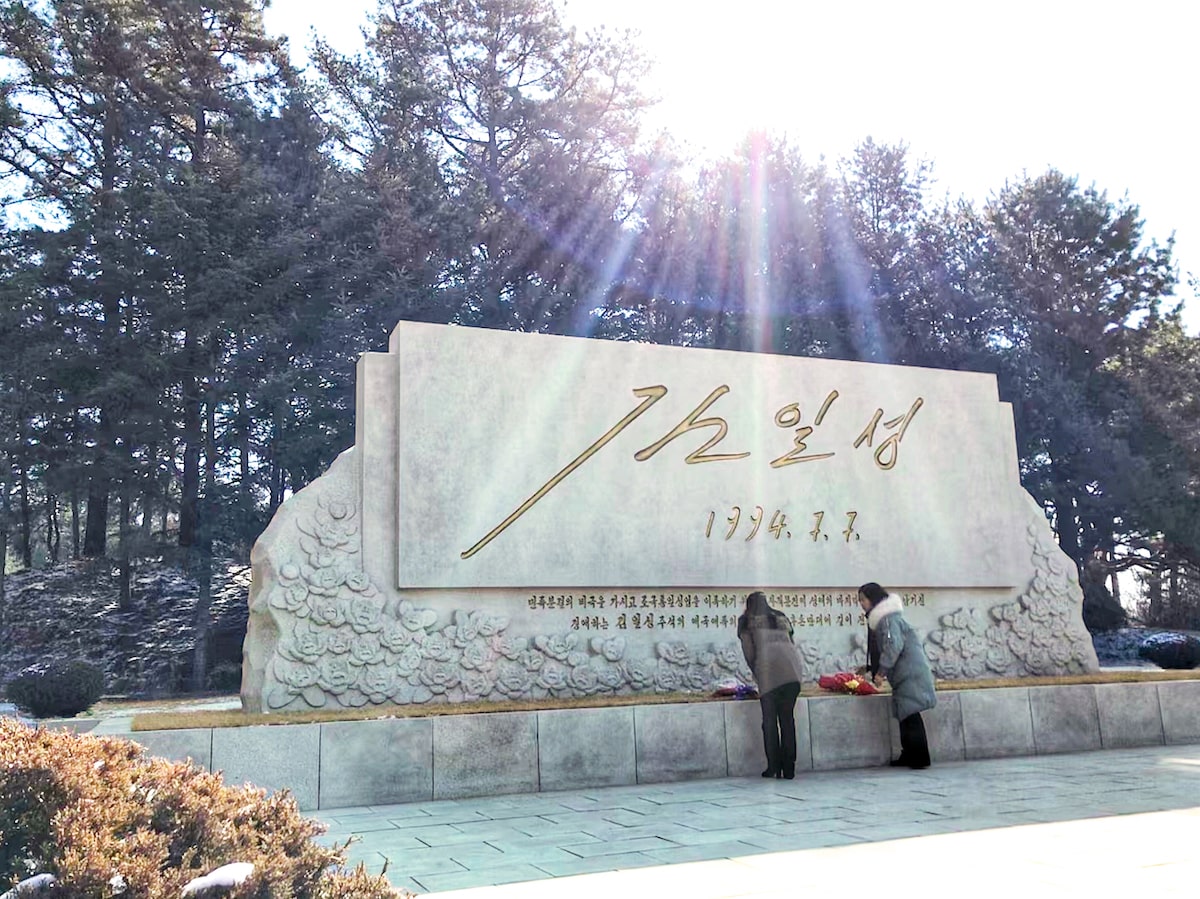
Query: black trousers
{"x": 779, "y": 727}
{"x": 914, "y": 746}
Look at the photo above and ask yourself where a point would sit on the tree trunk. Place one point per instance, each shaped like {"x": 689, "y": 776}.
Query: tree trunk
{"x": 26, "y": 519}
{"x": 204, "y": 560}
{"x": 75, "y": 547}
{"x": 192, "y": 439}
{"x": 1174, "y": 600}
{"x": 53, "y": 535}
{"x": 124, "y": 596}
{"x": 1154, "y": 609}
{"x": 95, "y": 531}
{"x": 244, "y": 447}
{"x": 206, "y": 526}
{"x": 3, "y": 566}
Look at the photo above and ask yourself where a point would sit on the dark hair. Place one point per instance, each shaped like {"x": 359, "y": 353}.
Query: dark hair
{"x": 758, "y": 607}
{"x": 873, "y": 592}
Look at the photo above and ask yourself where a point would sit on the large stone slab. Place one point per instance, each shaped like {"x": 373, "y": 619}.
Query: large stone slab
{"x": 279, "y": 757}
{"x": 485, "y": 755}
{"x": 745, "y": 752}
{"x": 586, "y": 748}
{"x": 849, "y": 731}
{"x": 376, "y": 762}
{"x": 680, "y": 742}
{"x": 539, "y": 585}
{"x": 1129, "y": 715}
{"x": 1180, "y": 702}
{"x": 1065, "y": 718}
{"x": 997, "y": 723}
{"x": 943, "y": 728}
{"x": 193, "y": 745}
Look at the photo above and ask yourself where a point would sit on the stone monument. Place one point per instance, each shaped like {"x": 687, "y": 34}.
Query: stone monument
{"x": 526, "y": 516}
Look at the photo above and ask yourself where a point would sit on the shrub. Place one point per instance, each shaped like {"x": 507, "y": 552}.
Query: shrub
{"x": 1168, "y": 650}
{"x": 57, "y": 690}
{"x": 225, "y": 677}
{"x": 105, "y": 820}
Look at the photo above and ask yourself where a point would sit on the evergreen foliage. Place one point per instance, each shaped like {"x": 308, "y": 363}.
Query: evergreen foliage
{"x": 200, "y": 241}
{"x": 57, "y": 690}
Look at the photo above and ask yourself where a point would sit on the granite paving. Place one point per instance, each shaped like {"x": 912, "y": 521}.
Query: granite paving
{"x": 1108, "y": 822}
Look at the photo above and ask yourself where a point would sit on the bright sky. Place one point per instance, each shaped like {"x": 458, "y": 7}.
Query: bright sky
{"x": 984, "y": 90}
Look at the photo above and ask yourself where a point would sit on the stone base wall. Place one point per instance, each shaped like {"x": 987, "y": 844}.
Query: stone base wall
{"x": 380, "y": 762}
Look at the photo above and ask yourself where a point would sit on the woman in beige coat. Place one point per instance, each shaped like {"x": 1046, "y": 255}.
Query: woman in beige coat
{"x": 766, "y": 637}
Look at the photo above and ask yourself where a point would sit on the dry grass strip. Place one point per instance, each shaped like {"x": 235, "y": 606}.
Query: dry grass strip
{"x": 205, "y": 719}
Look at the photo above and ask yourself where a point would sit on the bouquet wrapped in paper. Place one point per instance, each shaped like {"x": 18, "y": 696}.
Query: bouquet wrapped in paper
{"x": 735, "y": 689}
{"x": 845, "y": 682}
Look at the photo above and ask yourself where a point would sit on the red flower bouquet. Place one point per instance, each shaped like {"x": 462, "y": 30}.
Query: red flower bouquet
{"x": 845, "y": 682}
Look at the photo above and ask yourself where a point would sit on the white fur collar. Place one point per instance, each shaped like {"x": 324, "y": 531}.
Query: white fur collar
{"x": 885, "y": 607}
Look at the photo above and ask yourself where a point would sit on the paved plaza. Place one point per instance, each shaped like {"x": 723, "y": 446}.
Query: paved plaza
{"x": 1112, "y": 823}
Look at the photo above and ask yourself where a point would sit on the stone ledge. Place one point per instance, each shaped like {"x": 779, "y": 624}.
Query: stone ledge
{"x": 384, "y": 761}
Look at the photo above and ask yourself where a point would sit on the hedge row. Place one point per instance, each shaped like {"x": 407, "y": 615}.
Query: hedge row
{"x": 107, "y": 821}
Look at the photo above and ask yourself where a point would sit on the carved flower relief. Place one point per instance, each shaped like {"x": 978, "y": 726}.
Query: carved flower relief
{"x": 1038, "y": 660}
{"x": 339, "y": 641}
{"x": 438, "y": 677}
{"x": 532, "y": 660}
{"x": 291, "y": 598}
{"x": 437, "y": 648}
{"x": 307, "y": 645}
{"x": 950, "y": 666}
{"x": 998, "y": 659}
{"x": 553, "y": 677}
{"x": 327, "y": 610}
{"x": 974, "y": 666}
{"x": 639, "y": 673}
{"x": 365, "y": 615}
{"x": 330, "y": 534}
{"x": 674, "y": 653}
{"x": 609, "y": 677}
{"x": 557, "y": 646}
{"x": 409, "y": 661}
{"x": 295, "y": 676}
{"x": 1023, "y": 627}
{"x": 395, "y": 637}
{"x": 324, "y": 560}
{"x": 359, "y": 582}
{"x": 1019, "y": 645}
{"x": 378, "y": 682}
{"x": 476, "y": 655}
{"x": 415, "y": 619}
{"x": 1061, "y": 652}
{"x": 469, "y": 626}
{"x": 512, "y": 680}
{"x": 611, "y": 648}
{"x": 365, "y": 649}
{"x": 1039, "y": 608}
{"x": 666, "y": 677}
{"x": 491, "y": 625}
{"x": 475, "y": 685}
{"x": 697, "y": 677}
{"x": 335, "y": 675}
{"x": 583, "y": 680}
{"x": 729, "y": 657}
{"x": 510, "y": 647}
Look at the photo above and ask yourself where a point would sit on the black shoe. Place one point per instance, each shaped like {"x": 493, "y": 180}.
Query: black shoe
{"x": 901, "y": 762}
{"x": 789, "y": 772}
{"x": 918, "y": 766}
{"x": 771, "y": 772}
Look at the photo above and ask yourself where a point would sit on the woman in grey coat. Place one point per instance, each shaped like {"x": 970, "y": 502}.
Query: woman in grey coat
{"x": 766, "y": 637}
{"x": 902, "y": 661}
